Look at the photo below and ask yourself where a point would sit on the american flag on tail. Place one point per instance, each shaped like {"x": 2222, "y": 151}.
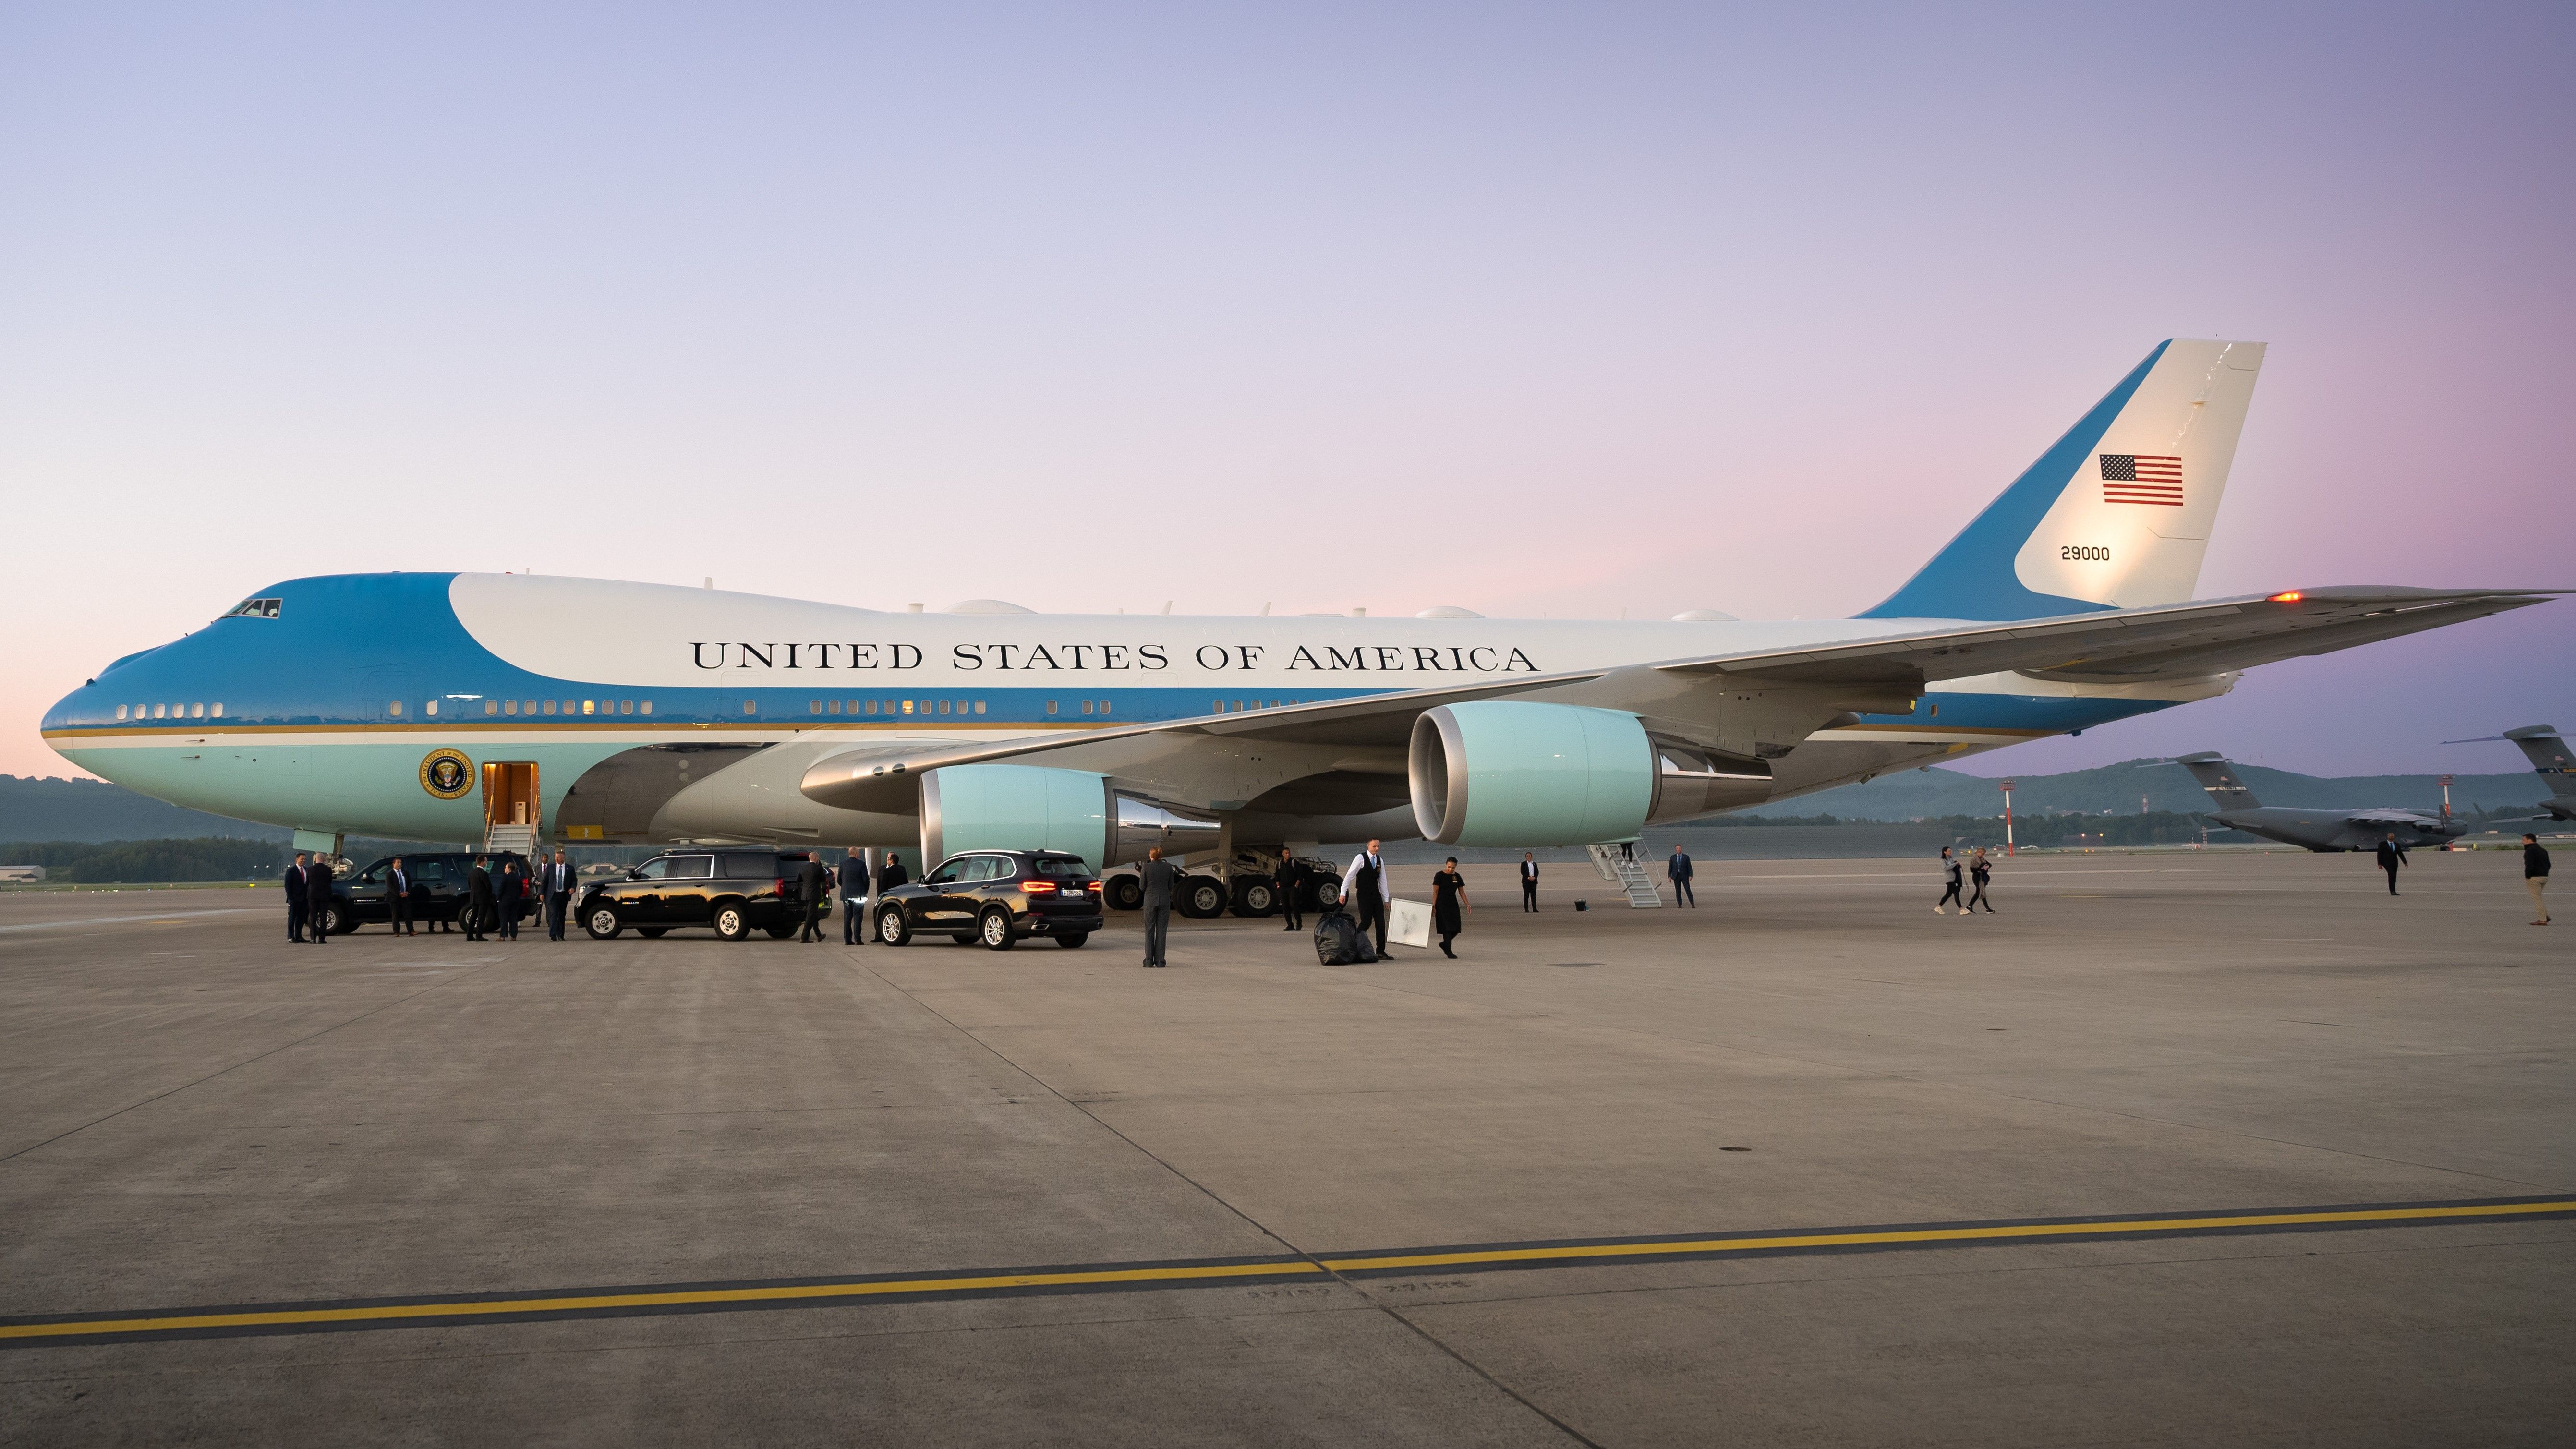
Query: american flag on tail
{"x": 2141, "y": 478}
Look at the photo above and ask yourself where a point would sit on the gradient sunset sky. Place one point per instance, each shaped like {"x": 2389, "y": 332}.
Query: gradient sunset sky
{"x": 1536, "y": 310}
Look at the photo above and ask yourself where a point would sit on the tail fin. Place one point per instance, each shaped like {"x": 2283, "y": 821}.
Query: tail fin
{"x": 2115, "y": 515}
{"x": 2226, "y": 788}
{"x": 2548, "y": 754}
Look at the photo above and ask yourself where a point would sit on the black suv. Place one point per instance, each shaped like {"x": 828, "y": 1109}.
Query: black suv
{"x": 735, "y": 891}
{"x": 996, "y": 897}
{"x": 437, "y": 888}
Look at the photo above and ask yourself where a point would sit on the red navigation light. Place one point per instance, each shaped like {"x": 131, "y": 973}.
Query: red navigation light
{"x": 2292, "y": 597}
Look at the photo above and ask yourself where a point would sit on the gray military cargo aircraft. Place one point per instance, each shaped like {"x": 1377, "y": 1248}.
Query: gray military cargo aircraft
{"x": 2320, "y": 830}
{"x": 2549, "y": 755}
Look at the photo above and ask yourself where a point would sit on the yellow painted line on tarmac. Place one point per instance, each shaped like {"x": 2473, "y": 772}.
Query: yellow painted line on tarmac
{"x": 501, "y": 1308}
{"x": 425, "y": 1313}
{"x": 1575, "y": 1252}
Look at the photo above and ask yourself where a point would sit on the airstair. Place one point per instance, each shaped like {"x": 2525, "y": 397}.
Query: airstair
{"x": 520, "y": 840}
{"x": 1628, "y": 874}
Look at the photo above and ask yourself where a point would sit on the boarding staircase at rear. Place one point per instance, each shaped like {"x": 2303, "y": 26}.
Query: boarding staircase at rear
{"x": 1628, "y": 874}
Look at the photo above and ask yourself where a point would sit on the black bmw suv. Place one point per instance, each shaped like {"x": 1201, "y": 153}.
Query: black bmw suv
{"x": 996, "y": 897}
{"x": 735, "y": 891}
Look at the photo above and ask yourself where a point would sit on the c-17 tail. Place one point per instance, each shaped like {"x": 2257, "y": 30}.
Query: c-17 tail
{"x": 2226, "y": 788}
{"x": 2550, "y": 757}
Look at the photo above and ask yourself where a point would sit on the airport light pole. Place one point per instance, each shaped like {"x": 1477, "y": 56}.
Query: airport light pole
{"x": 2008, "y": 840}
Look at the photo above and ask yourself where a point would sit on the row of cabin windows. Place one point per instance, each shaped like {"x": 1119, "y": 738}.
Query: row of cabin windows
{"x": 1218, "y": 706}
{"x": 170, "y": 711}
{"x": 888, "y": 706}
{"x": 548, "y": 706}
{"x": 919, "y": 706}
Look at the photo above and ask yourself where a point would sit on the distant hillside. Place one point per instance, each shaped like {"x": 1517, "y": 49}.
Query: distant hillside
{"x": 92, "y": 810}
{"x": 1920, "y": 794}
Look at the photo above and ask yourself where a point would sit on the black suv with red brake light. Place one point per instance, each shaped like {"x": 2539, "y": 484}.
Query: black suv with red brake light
{"x": 735, "y": 891}
{"x": 996, "y": 897}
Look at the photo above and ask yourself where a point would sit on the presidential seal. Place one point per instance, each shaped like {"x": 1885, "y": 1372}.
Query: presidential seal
{"x": 447, "y": 774}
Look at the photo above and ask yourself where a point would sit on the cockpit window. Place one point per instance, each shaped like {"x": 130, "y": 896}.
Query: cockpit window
{"x": 255, "y": 609}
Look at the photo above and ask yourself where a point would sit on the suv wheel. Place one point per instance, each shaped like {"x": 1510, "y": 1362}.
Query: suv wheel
{"x": 1124, "y": 893}
{"x": 602, "y": 923}
{"x": 994, "y": 930}
{"x": 892, "y": 928}
{"x": 334, "y": 921}
{"x": 1072, "y": 939}
{"x": 733, "y": 923}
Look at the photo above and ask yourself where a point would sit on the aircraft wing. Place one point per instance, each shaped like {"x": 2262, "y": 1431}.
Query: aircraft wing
{"x": 2133, "y": 645}
{"x": 2121, "y": 645}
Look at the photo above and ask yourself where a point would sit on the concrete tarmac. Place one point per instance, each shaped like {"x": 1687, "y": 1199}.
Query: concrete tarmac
{"x": 196, "y": 1115}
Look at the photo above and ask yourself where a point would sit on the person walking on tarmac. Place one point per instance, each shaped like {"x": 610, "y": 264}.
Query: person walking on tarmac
{"x": 1529, "y": 882}
{"x": 892, "y": 873}
{"x": 1678, "y": 871}
{"x": 854, "y": 899}
{"x": 1980, "y": 871}
{"x": 1160, "y": 878}
{"x": 478, "y": 899}
{"x": 1448, "y": 899}
{"x": 2391, "y": 859}
{"x": 1288, "y": 882}
{"x": 317, "y": 898}
{"x": 295, "y": 901}
{"x": 1366, "y": 885}
{"x": 2535, "y": 875}
{"x": 1951, "y": 882}
{"x": 814, "y": 898}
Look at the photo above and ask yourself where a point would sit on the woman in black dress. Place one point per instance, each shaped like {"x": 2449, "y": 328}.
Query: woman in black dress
{"x": 1448, "y": 898}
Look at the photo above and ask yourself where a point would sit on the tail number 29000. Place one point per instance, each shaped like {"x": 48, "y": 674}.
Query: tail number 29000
{"x": 2084, "y": 553}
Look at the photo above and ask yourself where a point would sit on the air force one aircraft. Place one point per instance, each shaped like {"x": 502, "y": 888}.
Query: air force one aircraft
{"x": 455, "y": 706}
{"x": 2323, "y": 829}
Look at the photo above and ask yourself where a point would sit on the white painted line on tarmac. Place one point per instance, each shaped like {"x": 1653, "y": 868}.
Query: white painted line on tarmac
{"x": 117, "y": 920}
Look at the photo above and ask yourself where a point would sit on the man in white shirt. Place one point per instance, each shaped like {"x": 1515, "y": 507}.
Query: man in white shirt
{"x": 1366, "y": 886}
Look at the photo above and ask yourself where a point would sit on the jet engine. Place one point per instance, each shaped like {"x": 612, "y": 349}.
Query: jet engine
{"x": 1510, "y": 772}
{"x": 1028, "y": 807}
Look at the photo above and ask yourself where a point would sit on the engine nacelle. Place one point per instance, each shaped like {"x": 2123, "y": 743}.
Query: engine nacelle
{"x": 1029, "y": 807}
{"x": 1510, "y": 772}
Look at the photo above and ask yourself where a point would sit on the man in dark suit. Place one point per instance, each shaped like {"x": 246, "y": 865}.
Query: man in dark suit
{"x": 478, "y": 900}
{"x": 295, "y": 901}
{"x": 1678, "y": 871}
{"x": 2391, "y": 859}
{"x": 813, "y": 898}
{"x": 854, "y": 899}
{"x": 1529, "y": 881}
{"x": 1160, "y": 878}
{"x": 891, "y": 874}
{"x": 1289, "y": 882}
{"x": 317, "y": 898}
{"x": 557, "y": 884}
{"x": 398, "y": 899}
